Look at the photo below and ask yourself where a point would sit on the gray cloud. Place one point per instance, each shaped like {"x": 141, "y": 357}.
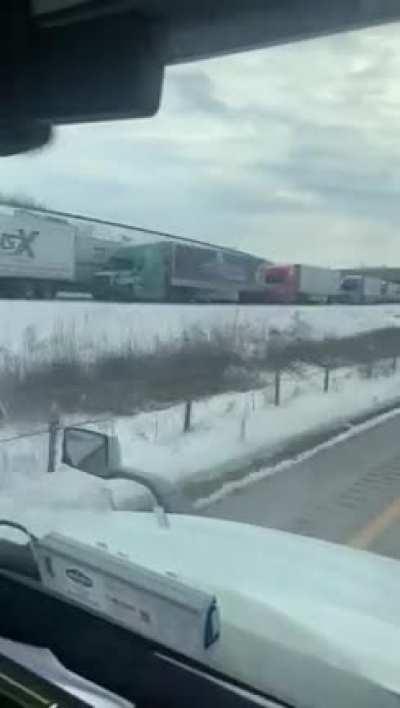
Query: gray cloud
{"x": 293, "y": 153}
{"x": 196, "y": 93}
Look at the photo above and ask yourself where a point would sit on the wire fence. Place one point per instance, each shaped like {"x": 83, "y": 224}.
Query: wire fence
{"x": 282, "y": 386}
{"x": 51, "y": 432}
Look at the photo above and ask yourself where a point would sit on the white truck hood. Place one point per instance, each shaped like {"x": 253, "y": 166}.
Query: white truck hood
{"x": 279, "y": 594}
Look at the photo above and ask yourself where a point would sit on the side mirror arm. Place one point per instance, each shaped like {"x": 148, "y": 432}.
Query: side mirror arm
{"x": 160, "y": 502}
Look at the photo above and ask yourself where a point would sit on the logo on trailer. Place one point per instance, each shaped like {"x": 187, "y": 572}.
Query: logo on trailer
{"x": 18, "y": 243}
{"x": 78, "y": 577}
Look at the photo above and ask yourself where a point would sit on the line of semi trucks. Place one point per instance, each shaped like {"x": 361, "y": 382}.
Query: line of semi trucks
{"x": 42, "y": 255}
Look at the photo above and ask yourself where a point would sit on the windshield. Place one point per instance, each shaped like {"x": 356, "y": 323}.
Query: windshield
{"x": 351, "y": 283}
{"x": 119, "y": 263}
{"x": 265, "y": 177}
{"x": 275, "y": 276}
{"x": 275, "y": 407}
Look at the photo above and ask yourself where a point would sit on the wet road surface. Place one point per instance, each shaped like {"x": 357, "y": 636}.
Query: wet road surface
{"x": 348, "y": 493}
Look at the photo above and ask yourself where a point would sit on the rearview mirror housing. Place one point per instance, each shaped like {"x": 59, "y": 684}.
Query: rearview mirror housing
{"x": 69, "y": 71}
{"x": 91, "y": 451}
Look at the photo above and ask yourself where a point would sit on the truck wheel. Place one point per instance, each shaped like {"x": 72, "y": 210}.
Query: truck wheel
{"x": 26, "y": 291}
{"x": 46, "y": 291}
{"x": 101, "y": 297}
{"x": 188, "y": 295}
{"x": 178, "y": 295}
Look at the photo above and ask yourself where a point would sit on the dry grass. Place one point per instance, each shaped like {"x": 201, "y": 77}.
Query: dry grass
{"x": 197, "y": 365}
{"x": 118, "y": 383}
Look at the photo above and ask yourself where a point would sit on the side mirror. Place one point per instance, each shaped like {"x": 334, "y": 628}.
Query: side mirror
{"x": 90, "y": 451}
{"x": 99, "y": 455}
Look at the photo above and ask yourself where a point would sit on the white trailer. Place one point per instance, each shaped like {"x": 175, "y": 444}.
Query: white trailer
{"x": 36, "y": 254}
{"x": 41, "y": 255}
{"x": 362, "y": 290}
{"x": 373, "y": 289}
{"x": 315, "y": 284}
{"x": 392, "y": 292}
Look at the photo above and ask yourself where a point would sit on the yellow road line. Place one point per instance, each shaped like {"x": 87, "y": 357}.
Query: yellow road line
{"x": 25, "y": 692}
{"x": 367, "y": 535}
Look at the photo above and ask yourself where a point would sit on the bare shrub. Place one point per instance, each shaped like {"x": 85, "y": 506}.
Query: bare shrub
{"x": 197, "y": 364}
{"x": 131, "y": 379}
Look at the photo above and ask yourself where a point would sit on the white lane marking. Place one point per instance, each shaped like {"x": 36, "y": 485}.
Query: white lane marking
{"x": 351, "y": 432}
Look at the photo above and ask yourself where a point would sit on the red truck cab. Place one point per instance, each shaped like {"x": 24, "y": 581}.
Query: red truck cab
{"x": 280, "y": 284}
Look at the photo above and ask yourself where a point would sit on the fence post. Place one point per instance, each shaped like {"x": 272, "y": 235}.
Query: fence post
{"x": 3, "y": 412}
{"x": 243, "y": 422}
{"x": 54, "y": 426}
{"x": 277, "y": 399}
{"x": 326, "y": 379}
{"x": 188, "y": 415}
{"x": 371, "y": 362}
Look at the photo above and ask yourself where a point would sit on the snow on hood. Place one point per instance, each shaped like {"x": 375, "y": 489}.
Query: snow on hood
{"x": 275, "y": 590}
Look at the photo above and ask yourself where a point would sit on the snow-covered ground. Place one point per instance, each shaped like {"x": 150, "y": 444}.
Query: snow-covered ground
{"x": 227, "y": 430}
{"x": 100, "y": 327}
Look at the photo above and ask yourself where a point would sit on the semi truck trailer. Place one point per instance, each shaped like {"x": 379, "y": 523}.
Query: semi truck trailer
{"x": 296, "y": 283}
{"x": 41, "y": 255}
{"x": 362, "y": 290}
{"x": 392, "y": 293}
{"x": 171, "y": 271}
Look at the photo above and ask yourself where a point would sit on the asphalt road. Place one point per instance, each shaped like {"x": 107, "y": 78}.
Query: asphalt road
{"x": 348, "y": 493}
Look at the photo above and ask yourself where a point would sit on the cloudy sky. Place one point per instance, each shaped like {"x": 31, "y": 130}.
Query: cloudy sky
{"x": 292, "y": 153}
